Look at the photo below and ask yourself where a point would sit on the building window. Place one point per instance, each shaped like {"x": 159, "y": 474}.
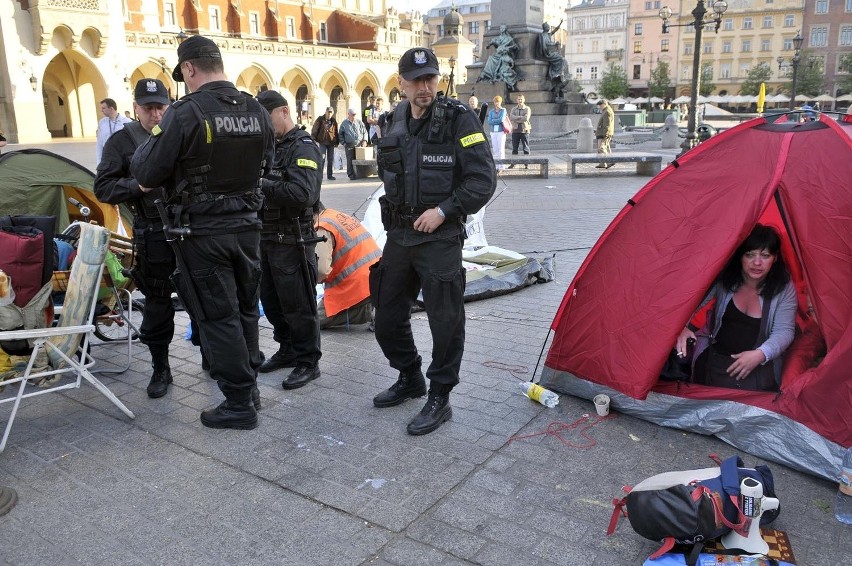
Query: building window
{"x": 637, "y": 47}
{"x": 664, "y": 45}
{"x": 254, "y": 23}
{"x": 747, "y": 23}
{"x": 768, "y": 21}
{"x": 323, "y": 32}
{"x": 708, "y": 47}
{"x": 637, "y": 29}
{"x": 648, "y": 5}
{"x": 595, "y": 46}
{"x": 789, "y": 20}
{"x": 593, "y": 73}
{"x": 821, "y": 7}
{"x": 656, "y": 4}
{"x": 637, "y": 71}
{"x": 744, "y": 69}
{"x": 392, "y": 35}
{"x": 686, "y": 72}
{"x": 746, "y": 46}
{"x": 580, "y": 47}
{"x": 726, "y": 47}
{"x": 440, "y": 30}
{"x": 687, "y": 49}
{"x": 578, "y": 72}
{"x": 487, "y": 25}
{"x": 764, "y": 44}
{"x": 725, "y": 71}
{"x": 473, "y": 27}
{"x": 168, "y": 14}
{"x": 442, "y": 12}
{"x": 845, "y": 36}
{"x": 819, "y": 36}
{"x": 473, "y": 9}
{"x": 788, "y": 45}
{"x": 291, "y": 27}
{"x": 849, "y": 5}
{"x": 728, "y": 24}
{"x": 215, "y": 18}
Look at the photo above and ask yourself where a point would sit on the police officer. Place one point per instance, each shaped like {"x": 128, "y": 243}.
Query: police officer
{"x": 209, "y": 153}
{"x": 289, "y": 265}
{"x": 437, "y": 168}
{"x": 154, "y": 259}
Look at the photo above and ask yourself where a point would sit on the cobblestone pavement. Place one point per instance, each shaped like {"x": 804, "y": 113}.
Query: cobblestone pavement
{"x": 328, "y": 479}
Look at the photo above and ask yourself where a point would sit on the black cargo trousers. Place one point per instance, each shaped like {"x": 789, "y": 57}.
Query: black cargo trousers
{"x": 225, "y": 270}
{"x": 395, "y": 282}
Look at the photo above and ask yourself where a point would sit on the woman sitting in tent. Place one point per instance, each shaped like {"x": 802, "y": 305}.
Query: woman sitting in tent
{"x": 753, "y": 322}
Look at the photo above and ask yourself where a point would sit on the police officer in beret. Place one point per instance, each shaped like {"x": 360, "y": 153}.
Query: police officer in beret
{"x": 437, "y": 168}
{"x": 154, "y": 258}
{"x": 208, "y": 153}
{"x": 289, "y": 265}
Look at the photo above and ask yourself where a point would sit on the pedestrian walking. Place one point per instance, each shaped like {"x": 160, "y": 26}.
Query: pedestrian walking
{"x": 155, "y": 261}
{"x": 520, "y": 117}
{"x": 437, "y": 168}
{"x": 208, "y": 153}
{"x": 604, "y": 131}
{"x": 108, "y": 125}
{"x": 324, "y": 133}
{"x": 497, "y": 128}
{"x": 289, "y": 263}
{"x": 352, "y": 134}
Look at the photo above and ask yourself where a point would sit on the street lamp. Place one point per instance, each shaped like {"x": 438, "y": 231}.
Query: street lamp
{"x": 451, "y": 87}
{"x": 698, "y": 23}
{"x": 797, "y": 57}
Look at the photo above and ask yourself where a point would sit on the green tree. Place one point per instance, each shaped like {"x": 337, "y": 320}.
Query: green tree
{"x": 660, "y": 83}
{"x": 844, "y": 82}
{"x": 614, "y": 82}
{"x": 707, "y": 87}
{"x": 760, "y": 73}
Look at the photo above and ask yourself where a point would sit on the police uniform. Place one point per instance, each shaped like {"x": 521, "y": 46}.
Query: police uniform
{"x": 290, "y": 191}
{"x": 209, "y": 152}
{"x": 155, "y": 261}
{"x": 441, "y": 160}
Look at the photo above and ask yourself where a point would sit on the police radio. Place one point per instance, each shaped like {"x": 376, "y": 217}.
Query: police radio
{"x": 439, "y": 116}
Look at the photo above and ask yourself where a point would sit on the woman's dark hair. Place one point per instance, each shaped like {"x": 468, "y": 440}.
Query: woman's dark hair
{"x": 761, "y": 238}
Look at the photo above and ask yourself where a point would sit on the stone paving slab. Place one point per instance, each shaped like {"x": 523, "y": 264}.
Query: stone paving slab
{"x": 329, "y": 479}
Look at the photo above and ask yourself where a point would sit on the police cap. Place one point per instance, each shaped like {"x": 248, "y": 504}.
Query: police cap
{"x": 271, "y": 99}
{"x": 150, "y": 91}
{"x": 196, "y": 47}
{"x": 417, "y": 62}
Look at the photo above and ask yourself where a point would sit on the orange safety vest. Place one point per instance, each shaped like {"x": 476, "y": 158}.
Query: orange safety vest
{"x": 355, "y": 251}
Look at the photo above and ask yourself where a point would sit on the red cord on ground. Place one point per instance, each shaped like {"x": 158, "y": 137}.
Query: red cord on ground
{"x": 581, "y": 425}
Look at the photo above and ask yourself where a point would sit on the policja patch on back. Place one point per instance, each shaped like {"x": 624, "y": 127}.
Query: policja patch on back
{"x": 230, "y": 125}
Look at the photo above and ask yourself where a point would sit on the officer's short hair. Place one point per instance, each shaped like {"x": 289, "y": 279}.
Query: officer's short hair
{"x": 208, "y": 65}
{"x": 110, "y": 102}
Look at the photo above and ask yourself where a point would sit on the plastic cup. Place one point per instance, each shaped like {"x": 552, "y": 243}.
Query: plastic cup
{"x": 602, "y": 404}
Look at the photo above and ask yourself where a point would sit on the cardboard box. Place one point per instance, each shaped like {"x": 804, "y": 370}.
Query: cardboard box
{"x": 364, "y": 153}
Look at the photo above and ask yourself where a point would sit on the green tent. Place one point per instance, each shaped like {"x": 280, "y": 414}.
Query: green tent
{"x": 38, "y": 182}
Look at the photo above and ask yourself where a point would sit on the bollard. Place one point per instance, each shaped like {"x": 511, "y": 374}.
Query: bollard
{"x": 669, "y": 135}
{"x": 586, "y": 137}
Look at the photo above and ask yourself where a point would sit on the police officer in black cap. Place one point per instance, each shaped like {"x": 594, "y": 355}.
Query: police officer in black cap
{"x": 289, "y": 265}
{"x": 154, "y": 259}
{"x": 209, "y": 153}
{"x": 437, "y": 168}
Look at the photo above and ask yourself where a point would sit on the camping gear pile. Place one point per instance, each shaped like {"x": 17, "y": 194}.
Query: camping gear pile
{"x": 654, "y": 263}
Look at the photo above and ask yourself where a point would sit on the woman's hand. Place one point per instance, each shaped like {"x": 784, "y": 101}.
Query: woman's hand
{"x": 680, "y": 345}
{"x": 744, "y": 363}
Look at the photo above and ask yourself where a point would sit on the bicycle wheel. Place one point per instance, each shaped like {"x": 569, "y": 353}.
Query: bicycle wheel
{"x": 115, "y": 325}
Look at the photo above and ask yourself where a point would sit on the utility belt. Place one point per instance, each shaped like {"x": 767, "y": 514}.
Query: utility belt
{"x": 276, "y": 221}
{"x": 141, "y": 208}
{"x": 399, "y": 216}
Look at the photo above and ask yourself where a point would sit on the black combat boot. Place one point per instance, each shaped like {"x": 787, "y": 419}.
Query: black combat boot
{"x": 435, "y": 412}
{"x": 301, "y": 376}
{"x": 410, "y": 384}
{"x": 280, "y": 359}
{"x": 240, "y": 415}
{"x": 162, "y": 376}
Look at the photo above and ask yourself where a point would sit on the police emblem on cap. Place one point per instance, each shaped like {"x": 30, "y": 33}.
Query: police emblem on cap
{"x": 420, "y": 58}
{"x": 151, "y": 86}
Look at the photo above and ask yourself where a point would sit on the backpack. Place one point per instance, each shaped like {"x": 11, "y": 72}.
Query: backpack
{"x": 692, "y": 506}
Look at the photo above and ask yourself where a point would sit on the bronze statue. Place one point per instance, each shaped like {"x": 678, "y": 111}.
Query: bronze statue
{"x": 549, "y": 50}
{"x": 501, "y": 65}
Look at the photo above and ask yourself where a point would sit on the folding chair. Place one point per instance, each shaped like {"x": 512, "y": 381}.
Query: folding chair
{"x": 67, "y": 344}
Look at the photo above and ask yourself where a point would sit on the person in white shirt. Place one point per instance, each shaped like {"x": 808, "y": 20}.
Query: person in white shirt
{"x": 109, "y": 124}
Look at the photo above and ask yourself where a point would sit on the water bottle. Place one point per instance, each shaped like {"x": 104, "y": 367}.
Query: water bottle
{"x": 538, "y": 393}
{"x": 843, "y": 502}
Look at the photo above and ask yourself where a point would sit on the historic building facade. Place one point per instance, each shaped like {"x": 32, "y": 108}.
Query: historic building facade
{"x": 59, "y": 58}
{"x": 647, "y": 45}
{"x": 597, "y": 36}
{"x": 827, "y": 31}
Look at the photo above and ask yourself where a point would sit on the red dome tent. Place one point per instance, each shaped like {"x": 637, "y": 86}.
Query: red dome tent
{"x": 654, "y": 263}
